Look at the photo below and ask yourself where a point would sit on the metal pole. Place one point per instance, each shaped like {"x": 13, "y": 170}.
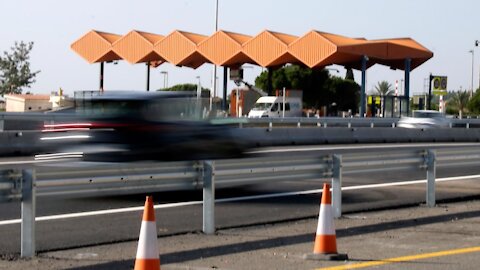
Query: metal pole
{"x": 101, "y": 76}
{"x": 28, "y": 214}
{"x": 237, "y": 101}
{"x": 148, "y": 76}
{"x": 225, "y": 85}
{"x": 408, "y": 64}
{"x": 364, "y": 79}
{"x": 214, "y": 71}
{"x": 208, "y": 197}
{"x": 429, "y": 103}
{"x": 337, "y": 185}
{"x": 430, "y": 161}
{"x": 283, "y": 101}
{"x": 471, "y": 89}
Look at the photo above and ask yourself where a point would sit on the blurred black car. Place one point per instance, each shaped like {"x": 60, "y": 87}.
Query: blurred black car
{"x": 118, "y": 126}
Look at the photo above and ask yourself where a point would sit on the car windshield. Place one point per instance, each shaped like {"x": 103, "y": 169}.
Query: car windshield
{"x": 166, "y": 109}
{"x": 262, "y": 106}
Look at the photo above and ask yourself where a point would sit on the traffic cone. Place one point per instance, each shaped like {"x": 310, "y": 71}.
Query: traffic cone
{"x": 325, "y": 240}
{"x": 147, "y": 251}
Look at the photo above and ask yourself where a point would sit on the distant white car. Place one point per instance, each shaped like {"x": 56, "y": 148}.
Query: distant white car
{"x": 424, "y": 119}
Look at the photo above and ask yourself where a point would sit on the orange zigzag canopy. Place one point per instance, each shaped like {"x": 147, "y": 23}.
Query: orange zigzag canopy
{"x": 315, "y": 49}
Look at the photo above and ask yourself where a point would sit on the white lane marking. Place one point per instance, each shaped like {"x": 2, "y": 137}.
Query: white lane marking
{"x": 65, "y": 137}
{"x": 59, "y": 155}
{"x": 245, "y": 198}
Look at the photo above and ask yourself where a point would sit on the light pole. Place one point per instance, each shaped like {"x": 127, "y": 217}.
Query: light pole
{"x": 471, "y": 86}
{"x": 214, "y": 71}
{"x": 476, "y": 45}
{"x": 199, "y": 88}
{"x": 165, "y": 79}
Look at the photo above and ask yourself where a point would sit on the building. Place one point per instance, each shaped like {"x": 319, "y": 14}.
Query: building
{"x": 27, "y": 103}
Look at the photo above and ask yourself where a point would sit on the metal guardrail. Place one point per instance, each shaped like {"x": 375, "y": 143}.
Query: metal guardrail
{"x": 343, "y": 122}
{"x": 49, "y": 180}
{"x": 34, "y": 121}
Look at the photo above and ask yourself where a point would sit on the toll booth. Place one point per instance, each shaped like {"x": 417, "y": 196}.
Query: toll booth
{"x": 246, "y": 100}
{"x": 386, "y": 106}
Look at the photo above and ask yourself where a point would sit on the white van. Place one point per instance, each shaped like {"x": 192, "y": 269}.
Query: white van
{"x": 270, "y": 106}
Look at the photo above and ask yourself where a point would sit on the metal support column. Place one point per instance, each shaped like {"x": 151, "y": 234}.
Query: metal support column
{"x": 209, "y": 197}
{"x": 225, "y": 86}
{"x": 408, "y": 63}
{"x": 148, "y": 76}
{"x": 429, "y": 101}
{"x": 101, "y": 75}
{"x": 362, "y": 91}
{"x": 430, "y": 162}
{"x": 337, "y": 185}
{"x": 27, "y": 248}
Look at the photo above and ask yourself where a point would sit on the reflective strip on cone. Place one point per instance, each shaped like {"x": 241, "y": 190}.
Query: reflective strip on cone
{"x": 325, "y": 220}
{"x": 147, "y": 242}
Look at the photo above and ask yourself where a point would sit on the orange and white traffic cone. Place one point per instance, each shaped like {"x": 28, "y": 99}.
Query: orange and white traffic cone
{"x": 147, "y": 251}
{"x": 326, "y": 239}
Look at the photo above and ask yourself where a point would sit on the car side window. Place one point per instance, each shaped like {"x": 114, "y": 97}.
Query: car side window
{"x": 274, "y": 107}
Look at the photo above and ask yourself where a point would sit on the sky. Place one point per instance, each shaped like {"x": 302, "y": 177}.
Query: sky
{"x": 447, "y": 28}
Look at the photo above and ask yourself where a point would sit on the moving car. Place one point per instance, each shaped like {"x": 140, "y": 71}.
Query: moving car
{"x": 129, "y": 126}
{"x": 424, "y": 119}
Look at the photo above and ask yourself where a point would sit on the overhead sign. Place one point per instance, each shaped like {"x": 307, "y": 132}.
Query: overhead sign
{"x": 376, "y": 99}
{"x": 236, "y": 74}
{"x": 440, "y": 85}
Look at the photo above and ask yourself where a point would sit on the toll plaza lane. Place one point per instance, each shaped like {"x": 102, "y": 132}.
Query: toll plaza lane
{"x": 444, "y": 237}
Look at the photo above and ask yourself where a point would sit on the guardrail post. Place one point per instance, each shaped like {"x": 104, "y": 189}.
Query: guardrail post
{"x": 337, "y": 185}
{"x": 430, "y": 162}
{"x": 28, "y": 213}
{"x": 209, "y": 197}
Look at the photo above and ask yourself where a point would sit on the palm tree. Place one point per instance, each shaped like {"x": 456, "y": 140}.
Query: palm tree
{"x": 384, "y": 88}
{"x": 460, "y": 100}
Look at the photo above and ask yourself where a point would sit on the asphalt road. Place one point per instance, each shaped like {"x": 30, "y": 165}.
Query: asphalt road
{"x": 443, "y": 237}
{"x": 66, "y": 233}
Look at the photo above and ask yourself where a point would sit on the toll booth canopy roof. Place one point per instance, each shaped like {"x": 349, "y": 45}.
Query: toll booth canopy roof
{"x": 315, "y": 49}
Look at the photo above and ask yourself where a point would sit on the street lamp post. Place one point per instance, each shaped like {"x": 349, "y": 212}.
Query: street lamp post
{"x": 165, "y": 79}
{"x": 214, "y": 71}
{"x": 476, "y": 45}
{"x": 199, "y": 88}
{"x": 471, "y": 86}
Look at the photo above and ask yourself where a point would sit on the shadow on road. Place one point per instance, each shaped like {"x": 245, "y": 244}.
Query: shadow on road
{"x": 188, "y": 255}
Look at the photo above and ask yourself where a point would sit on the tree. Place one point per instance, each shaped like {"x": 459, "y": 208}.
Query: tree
{"x": 346, "y": 94}
{"x": 459, "y": 100}
{"x": 473, "y": 105}
{"x": 187, "y": 87}
{"x": 384, "y": 88}
{"x": 15, "y": 72}
{"x": 319, "y": 89}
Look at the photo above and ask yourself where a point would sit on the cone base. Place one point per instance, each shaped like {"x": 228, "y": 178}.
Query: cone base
{"x": 326, "y": 257}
